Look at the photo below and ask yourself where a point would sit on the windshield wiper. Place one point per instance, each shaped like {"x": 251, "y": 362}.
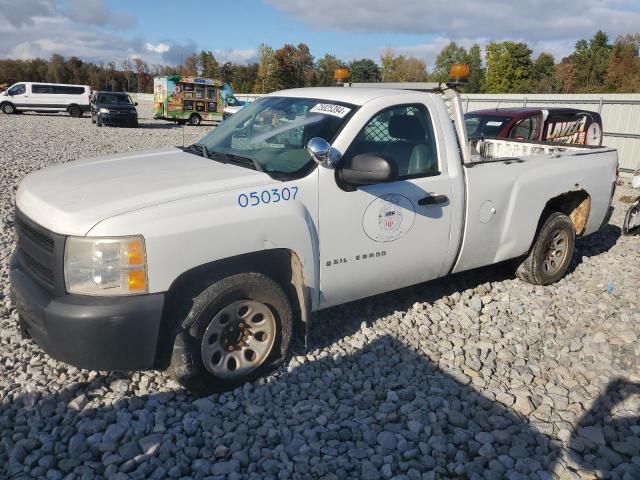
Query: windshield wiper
{"x": 244, "y": 161}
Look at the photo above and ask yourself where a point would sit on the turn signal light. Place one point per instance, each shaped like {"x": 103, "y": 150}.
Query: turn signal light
{"x": 135, "y": 253}
{"x": 137, "y": 280}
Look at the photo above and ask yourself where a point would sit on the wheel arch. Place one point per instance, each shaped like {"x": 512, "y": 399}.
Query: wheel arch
{"x": 575, "y": 204}
{"x": 280, "y": 264}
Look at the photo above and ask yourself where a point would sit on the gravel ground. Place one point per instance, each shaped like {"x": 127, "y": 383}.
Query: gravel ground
{"x": 474, "y": 376}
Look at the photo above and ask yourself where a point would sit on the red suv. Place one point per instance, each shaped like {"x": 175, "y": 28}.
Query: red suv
{"x": 565, "y": 125}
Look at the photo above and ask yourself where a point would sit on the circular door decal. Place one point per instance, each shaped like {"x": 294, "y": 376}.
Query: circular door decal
{"x": 388, "y": 217}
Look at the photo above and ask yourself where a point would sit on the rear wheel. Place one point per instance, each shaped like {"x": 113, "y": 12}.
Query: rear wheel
{"x": 8, "y": 108}
{"x": 75, "y": 111}
{"x": 241, "y": 329}
{"x": 548, "y": 260}
{"x": 195, "y": 120}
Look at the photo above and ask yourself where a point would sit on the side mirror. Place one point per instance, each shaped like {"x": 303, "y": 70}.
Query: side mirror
{"x": 319, "y": 149}
{"x": 368, "y": 169}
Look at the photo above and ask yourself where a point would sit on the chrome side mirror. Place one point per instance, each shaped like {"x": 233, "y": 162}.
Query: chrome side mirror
{"x": 319, "y": 149}
{"x": 322, "y": 152}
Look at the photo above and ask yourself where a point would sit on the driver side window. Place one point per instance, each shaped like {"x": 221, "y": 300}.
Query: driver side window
{"x": 18, "y": 89}
{"x": 404, "y": 133}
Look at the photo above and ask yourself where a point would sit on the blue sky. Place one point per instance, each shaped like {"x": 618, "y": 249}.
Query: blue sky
{"x": 160, "y": 31}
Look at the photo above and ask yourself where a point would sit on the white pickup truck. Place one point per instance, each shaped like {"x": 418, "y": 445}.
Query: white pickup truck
{"x": 202, "y": 259}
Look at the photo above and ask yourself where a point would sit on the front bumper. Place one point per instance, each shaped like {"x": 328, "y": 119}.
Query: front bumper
{"x": 113, "y": 119}
{"x": 95, "y": 333}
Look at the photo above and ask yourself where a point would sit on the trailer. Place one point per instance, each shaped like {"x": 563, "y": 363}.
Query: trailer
{"x": 188, "y": 99}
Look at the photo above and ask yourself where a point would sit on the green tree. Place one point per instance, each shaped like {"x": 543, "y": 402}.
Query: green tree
{"x": 508, "y": 67}
{"x": 325, "y": 69}
{"x": 590, "y": 61}
{"x": 265, "y": 81}
{"x": 364, "y": 70}
{"x": 476, "y": 70}
{"x": 244, "y": 77}
{"x": 209, "y": 66}
{"x": 450, "y": 54}
{"x": 542, "y": 73}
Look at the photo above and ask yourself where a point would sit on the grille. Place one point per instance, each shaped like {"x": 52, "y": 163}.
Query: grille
{"x": 43, "y": 272}
{"x": 40, "y": 253}
{"x": 39, "y": 238}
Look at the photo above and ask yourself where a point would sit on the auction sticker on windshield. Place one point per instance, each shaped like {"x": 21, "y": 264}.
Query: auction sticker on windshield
{"x": 330, "y": 109}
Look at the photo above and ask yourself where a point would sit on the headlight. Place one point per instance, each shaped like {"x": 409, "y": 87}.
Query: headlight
{"x": 105, "y": 266}
{"x": 104, "y": 110}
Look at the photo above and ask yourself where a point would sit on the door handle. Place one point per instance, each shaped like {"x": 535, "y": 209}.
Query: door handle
{"x": 433, "y": 200}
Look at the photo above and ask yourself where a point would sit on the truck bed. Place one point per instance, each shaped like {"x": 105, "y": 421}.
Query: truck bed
{"x": 508, "y": 184}
{"x": 494, "y": 148}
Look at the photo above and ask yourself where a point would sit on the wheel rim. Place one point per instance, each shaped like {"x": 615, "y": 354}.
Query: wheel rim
{"x": 555, "y": 252}
{"x": 7, "y": 109}
{"x": 238, "y": 339}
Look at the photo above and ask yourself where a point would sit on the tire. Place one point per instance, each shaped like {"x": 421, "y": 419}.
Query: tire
{"x": 195, "y": 120}
{"x": 217, "y": 323}
{"x": 75, "y": 111}
{"x": 552, "y": 250}
{"x": 8, "y": 108}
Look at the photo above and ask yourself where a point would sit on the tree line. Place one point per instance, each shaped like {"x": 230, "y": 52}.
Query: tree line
{"x": 595, "y": 66}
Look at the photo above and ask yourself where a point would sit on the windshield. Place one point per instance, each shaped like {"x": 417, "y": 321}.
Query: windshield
{"x": 114, "y": 99}
{"x": 485, "y": 125}
{"x": 274, "y": 132}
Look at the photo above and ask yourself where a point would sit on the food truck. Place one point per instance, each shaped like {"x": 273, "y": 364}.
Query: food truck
{"x": 188, "y": 99}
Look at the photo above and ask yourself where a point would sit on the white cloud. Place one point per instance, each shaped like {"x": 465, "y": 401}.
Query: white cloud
{"x": 158, "y": 48}
{"x": 95, "y": 12}
{"x": 235, "y": 56}
{"x": 542, "y": 20}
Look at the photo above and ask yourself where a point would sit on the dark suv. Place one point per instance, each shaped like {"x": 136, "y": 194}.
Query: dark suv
{"x": 111, "y": 108}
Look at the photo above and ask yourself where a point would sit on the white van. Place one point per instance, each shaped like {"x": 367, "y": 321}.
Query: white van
{"x": 46, "y": 97}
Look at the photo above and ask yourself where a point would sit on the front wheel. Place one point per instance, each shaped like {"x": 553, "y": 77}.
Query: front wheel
{"x": 195, "y": 120}
{"x": 549, "y": 258}
{"x": 8, "y": 108}
{"x": 240, "y": 328}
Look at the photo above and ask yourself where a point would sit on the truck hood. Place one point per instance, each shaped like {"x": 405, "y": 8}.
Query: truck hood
{"x": 71, "y": 198}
